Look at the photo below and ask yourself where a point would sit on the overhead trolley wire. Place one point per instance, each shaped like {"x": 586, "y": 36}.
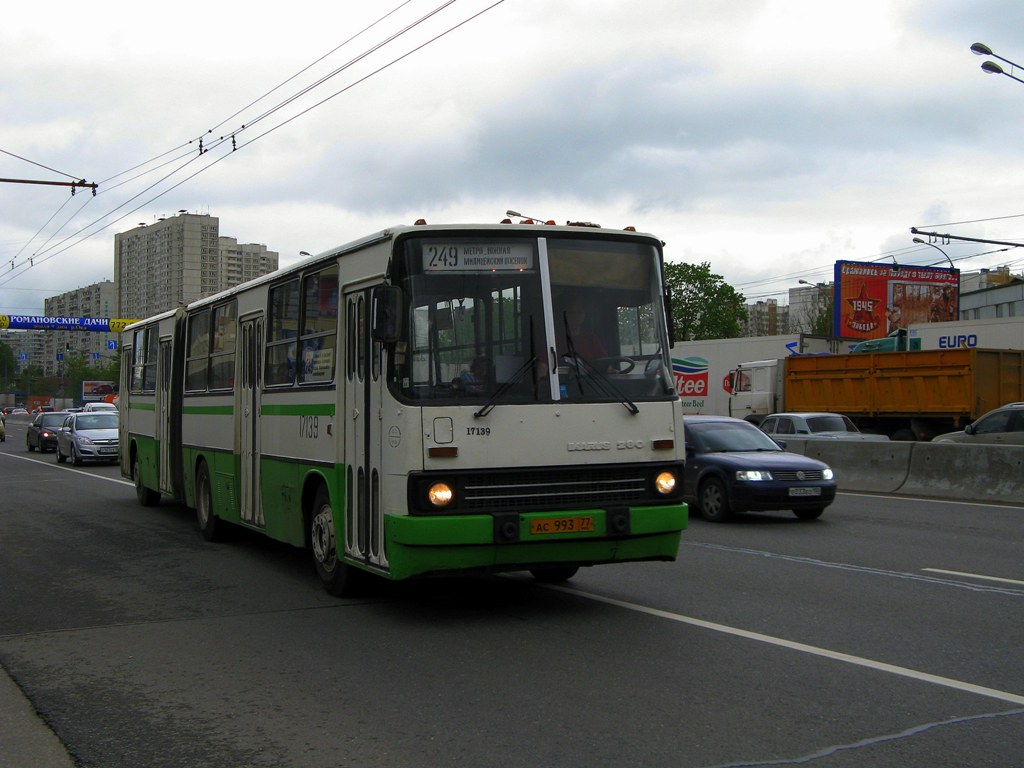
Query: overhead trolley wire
{"x": 192, "y": 155}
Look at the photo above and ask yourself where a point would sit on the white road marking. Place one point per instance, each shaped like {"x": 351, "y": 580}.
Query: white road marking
{"x": 66, "y": 469}
{"x": 974, "y": 576}
{"x": 846, "y": 658}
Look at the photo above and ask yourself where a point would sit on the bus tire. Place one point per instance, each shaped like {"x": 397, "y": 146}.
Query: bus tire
{"x": 337, "y": 577}
{"x": 206, "y": 520}
{"x": 554, "y": 575}
{"x": 147, "y": 497}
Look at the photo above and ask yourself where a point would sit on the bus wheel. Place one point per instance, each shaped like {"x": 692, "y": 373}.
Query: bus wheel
{"x": 206, "y": 520}
{"x": 555, "y": 575}
{"x": 146, "y": 496}
{"x": 337, "y": 577}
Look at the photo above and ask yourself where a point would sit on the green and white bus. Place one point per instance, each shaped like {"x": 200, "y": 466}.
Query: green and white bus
{"x": 426, "y": 400}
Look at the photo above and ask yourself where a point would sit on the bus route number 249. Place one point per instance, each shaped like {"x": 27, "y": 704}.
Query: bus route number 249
{"x": 441, "y": 256}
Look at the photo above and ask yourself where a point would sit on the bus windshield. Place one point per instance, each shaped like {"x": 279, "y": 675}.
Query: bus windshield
{"x": 530, "y": 319}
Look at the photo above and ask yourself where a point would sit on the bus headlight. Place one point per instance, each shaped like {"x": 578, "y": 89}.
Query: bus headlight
{"x": 440, "y": 494}
{"x": 665, "y": 483}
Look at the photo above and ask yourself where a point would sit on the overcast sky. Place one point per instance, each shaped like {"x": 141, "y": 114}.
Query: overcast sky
{"x": 769, "y": 138}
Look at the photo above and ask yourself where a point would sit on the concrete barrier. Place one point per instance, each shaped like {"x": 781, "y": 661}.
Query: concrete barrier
{"x": 968, "y": 472}
{"x": 932, "y": 470}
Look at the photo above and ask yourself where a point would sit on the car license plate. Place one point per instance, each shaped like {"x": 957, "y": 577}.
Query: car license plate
{"x": 578, "y": 524}
{"x": 108, "y": 450}
{"x": 805, "y": 491}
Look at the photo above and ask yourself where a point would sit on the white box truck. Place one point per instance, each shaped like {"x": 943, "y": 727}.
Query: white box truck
{"x": 702, "y": 369}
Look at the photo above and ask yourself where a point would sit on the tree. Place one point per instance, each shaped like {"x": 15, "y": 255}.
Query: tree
{"x": 8, "y": 366}
{"x": 703, "y": 305}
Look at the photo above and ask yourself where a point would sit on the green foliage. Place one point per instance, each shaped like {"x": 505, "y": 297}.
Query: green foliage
{"x": 703, "y": 305}
{"x": 8, "y": 366}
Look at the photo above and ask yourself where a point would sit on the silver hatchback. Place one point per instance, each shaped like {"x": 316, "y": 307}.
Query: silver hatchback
{"x": 88, "y": 436}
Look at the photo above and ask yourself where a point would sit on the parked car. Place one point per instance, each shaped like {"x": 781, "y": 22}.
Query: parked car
{"x": 90, "y": 407}
{"x": 825, "y": 426}
{"x": 87, "y": 435}
{"x": 732, "y": 466}
{"x": 1002, "y": 426}
{"x": 42, "y": 432}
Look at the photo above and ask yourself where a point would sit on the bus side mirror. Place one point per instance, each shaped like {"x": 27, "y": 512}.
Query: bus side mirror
{"x": 386, "y": 309}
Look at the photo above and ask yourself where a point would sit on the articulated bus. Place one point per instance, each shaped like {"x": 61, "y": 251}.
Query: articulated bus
{"x": 426, "y": 400}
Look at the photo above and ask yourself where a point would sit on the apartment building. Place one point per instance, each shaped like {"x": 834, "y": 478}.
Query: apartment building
{"x": 179, "y": 259}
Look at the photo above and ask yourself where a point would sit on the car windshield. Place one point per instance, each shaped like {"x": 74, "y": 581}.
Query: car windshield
{"x": 97, "y": 421}
{"x": 714, "y": 436}
{"x": 53, "y": 419}
{"x": 832, "y": 422}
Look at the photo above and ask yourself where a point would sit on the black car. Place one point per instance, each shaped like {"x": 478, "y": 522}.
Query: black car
{"x": 732, "y": 466}
{"x": 42, "y": 432}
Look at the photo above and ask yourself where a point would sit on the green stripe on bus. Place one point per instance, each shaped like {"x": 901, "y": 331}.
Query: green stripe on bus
{"x": 208, "y": 410}
{"x": 142, "y": 406}
{"x": 311, "y": 409}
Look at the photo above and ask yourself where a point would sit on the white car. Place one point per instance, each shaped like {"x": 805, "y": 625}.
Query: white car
{"x": 819, "y": 426}
{"x": 91, "y": 407}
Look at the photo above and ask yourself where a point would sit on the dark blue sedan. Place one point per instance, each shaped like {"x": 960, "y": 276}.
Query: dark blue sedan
{"x": 732, "y": 466}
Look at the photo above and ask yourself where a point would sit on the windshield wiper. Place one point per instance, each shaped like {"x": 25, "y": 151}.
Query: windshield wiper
{"x": 601, "y": 382}
{"x": 514, "y": 379}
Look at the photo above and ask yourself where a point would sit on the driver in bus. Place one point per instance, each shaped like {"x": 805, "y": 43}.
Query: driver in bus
{"x": 579, "y": 339}
{"x": 477, "y": 377}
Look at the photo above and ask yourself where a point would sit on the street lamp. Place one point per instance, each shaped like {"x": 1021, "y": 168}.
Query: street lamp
{"x": 933, "y": 245}
{"x": 991, "y": 67}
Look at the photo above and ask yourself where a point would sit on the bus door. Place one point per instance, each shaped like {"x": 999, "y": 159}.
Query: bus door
{"x": 161, "y": 428}
{"x": 249, "y": 428}
{"x": 363, "y": 383}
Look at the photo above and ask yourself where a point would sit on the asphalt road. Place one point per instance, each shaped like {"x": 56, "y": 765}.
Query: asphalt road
{"x": 886, "y": 633}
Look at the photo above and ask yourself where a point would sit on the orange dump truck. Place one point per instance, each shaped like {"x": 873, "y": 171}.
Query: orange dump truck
{"x": 906, "y": 395}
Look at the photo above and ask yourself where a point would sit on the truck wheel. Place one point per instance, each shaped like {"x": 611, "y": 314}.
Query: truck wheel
{"x": 809, "y": 514}
{"x": 714, "y": 501}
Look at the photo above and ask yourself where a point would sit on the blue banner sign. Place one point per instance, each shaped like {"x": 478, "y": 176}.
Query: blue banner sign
{"x": 43, "y": 323}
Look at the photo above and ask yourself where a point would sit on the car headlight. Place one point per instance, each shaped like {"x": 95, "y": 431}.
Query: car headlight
{"x": 753, "y": 475}
{"x": 827, "y": 474}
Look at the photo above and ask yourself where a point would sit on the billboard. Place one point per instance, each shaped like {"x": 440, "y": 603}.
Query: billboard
{"x": 872, "y": 300}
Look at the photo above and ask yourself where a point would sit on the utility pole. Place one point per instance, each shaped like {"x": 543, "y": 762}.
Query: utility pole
{"x": 73, "y": 184}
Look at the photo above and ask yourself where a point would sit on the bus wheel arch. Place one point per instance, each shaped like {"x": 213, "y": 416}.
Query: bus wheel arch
{"x": 206, "y": 519}
{"x": 147, "y": 496}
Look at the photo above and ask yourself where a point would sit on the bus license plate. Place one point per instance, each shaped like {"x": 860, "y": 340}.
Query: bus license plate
{"x": 805, "y": 491}
{"x": 579, "y": 524}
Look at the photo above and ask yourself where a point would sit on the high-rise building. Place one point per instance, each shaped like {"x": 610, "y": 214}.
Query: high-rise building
{"x": 766, "y": 318}
{"x": 96, "y": 300}
{"x": 179, "y": 259}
